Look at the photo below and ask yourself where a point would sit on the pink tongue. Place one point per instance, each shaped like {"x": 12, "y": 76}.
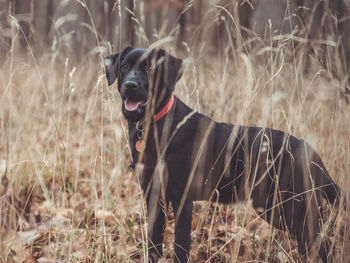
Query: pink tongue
{"x": 131, "y": 105}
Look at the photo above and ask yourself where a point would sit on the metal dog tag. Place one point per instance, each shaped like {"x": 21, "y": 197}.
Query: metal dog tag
{"x": 140, "y": 146}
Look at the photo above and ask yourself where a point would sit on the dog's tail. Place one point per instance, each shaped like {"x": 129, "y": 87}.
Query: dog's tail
{"x": 330, "y": 189}
{"x": 332, "y": 192}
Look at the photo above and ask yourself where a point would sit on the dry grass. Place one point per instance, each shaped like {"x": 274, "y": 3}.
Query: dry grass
{"x": 66, "y": 194}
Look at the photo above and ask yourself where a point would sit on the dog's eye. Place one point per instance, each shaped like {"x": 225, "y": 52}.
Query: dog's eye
{"x": 124, "y": 66}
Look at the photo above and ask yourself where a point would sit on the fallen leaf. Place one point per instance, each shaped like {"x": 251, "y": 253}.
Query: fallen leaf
{"x": 28, "y": 237}
{"x": 106, "y": 216}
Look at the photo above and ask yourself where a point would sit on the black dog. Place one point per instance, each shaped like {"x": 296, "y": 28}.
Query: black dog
{"x": 187, "y": 156}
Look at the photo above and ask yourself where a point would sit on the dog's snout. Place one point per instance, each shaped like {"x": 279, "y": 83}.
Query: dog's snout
{"x": 130, "y": 85}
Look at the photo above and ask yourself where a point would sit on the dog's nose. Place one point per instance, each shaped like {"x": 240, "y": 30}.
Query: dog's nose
{"x": 130, "y": 84}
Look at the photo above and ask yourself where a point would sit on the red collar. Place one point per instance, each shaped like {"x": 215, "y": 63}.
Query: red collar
{"x": 162, "y": 112}
{"x": 165, "y": 109}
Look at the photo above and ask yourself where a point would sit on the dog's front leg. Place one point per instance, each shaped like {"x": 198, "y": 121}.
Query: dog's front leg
{"x": 157, "y": 205}
{"x": 155, "y": 236}
{"x": 183, "y": 217}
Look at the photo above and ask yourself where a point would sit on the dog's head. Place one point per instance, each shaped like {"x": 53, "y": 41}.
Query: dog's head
{"x": 145, "y": 77}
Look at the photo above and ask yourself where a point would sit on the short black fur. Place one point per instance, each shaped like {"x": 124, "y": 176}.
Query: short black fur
{"x": 190, "y": 157}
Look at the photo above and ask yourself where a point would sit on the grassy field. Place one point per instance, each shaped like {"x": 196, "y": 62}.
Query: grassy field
{"x": 66, "y": 194}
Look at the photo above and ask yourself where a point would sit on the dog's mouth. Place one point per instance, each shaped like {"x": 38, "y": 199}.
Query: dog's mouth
{"x": 133, "y": 105}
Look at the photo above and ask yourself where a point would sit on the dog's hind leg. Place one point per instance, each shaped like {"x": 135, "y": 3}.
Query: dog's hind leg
{"x": 309, "y": 230}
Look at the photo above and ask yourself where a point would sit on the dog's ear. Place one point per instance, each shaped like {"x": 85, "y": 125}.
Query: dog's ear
{"x": 112, "y": 64}
{"x": 173, "y": 69}
{"x": 170, "y": 66}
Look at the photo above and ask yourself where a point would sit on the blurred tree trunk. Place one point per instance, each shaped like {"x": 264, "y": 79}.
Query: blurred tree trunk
{"x": 120, "y": 26}
{"x": 190, "y": 25}
{"x": 41, "y": 22}
{"x": 327, "y": 29}
{"x": 21, "y": 10}
{"x": 5, "y": 33}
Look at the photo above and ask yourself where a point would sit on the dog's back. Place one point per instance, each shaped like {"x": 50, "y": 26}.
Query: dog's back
{"x": 284, "y": 176}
